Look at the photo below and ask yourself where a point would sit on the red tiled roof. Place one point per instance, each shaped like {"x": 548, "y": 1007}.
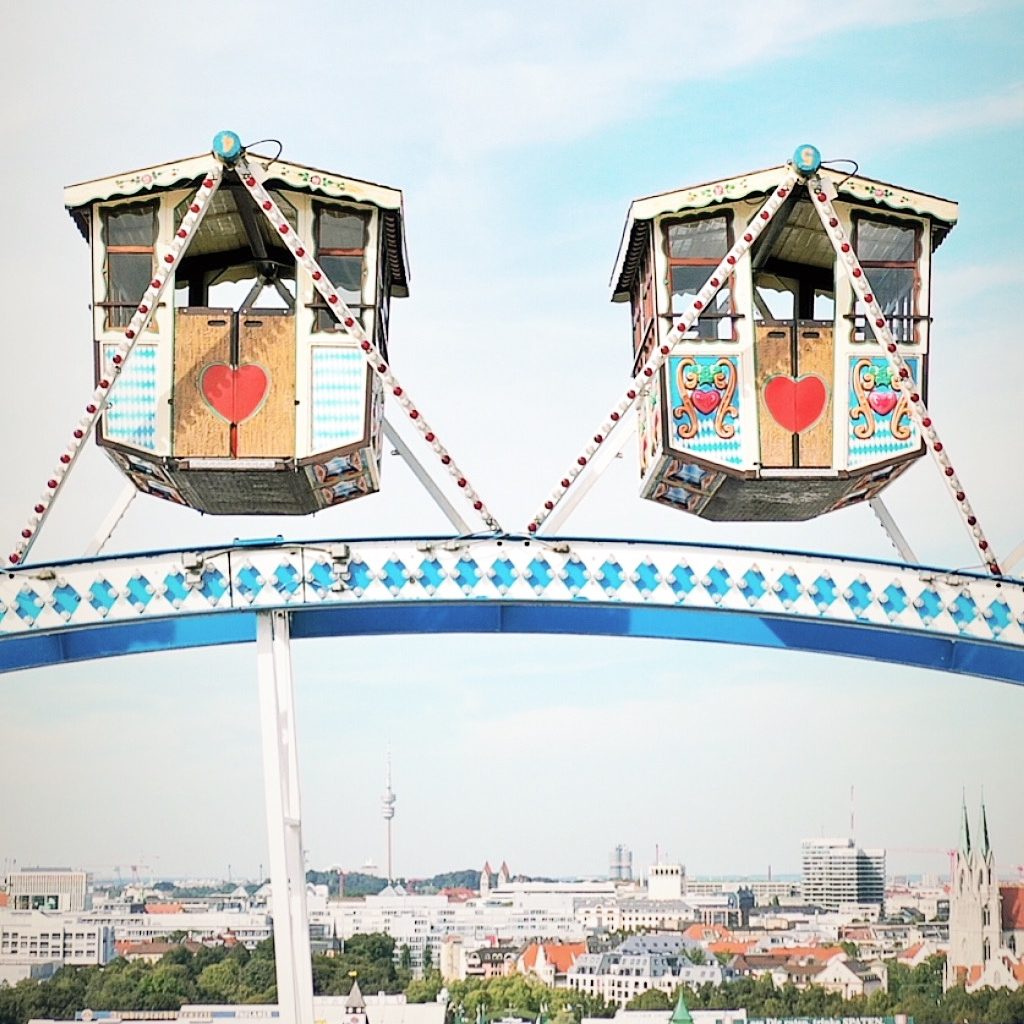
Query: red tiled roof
{"x": 707, "y": 933}
{"x": 164, "y": 908}
{"x": 1012, "y": 899}
{"x": 458, "y": 894}
{"x": 820, "y": 953}
{"x": 156, "y": 947}
{"x": 910, "y": 952}
{"x": 731, "y": 947}
{"x": 3, "y": 899}
{"x": 561, "y": 954}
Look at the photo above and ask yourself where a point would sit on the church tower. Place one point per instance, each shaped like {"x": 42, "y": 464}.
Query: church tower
{"x": 974, "y": 910}
{"x": 355, "y": 1005}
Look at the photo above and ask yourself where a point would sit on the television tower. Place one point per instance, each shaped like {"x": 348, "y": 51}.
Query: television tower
{"x": 388, "y": 807}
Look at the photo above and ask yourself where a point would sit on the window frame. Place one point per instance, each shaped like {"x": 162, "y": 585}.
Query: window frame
{"x": 708, "y": 315}
{"x": 107, "y": 304}
{"x": 861, "y": 329}
{"x": 324, "y": 321}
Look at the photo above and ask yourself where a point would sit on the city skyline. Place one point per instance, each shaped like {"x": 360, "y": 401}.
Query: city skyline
{"x": 519, "y": 138}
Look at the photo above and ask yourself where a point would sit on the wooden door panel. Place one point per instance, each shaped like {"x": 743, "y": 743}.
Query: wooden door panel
{"x": 202, "y": 341}
{"x": 267, "y": 341}
{"x": 773, "y": 359}
{"x": 815, "y": 357}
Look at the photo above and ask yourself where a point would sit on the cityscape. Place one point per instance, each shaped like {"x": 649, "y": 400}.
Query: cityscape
{"x": 643, "y": 943}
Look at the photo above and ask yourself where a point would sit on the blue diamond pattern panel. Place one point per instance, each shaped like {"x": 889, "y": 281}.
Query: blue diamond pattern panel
{"x": 131, "y": 415}
{"x": 788, "y": 587}
{"x": 339, "y": 396}
{"x": 682, "y": 580}
{"x": 395, "y": 575}
{"x": 575, "y": 575}
{"x": 963, "y": 611}
{"x": 718, "y": 582}
{"x": 998, "y": 616}
{"x": 467, "y": 574}
{"x": 503, "y": 573}
{"x": 28, "y": 605}
{"x": 611, "y": 576}
{"x": 646, "y": 578}
{"x": 321, "y": 577}
{"x": 893, "y": 599}
{"x": 539, "y": 574}
{"x": 287, "y": 579}
{"x": 824, "y": 593}
{"x": 177, "y": 590}
{"x": 213, "y": 586}
{"x": 102, "y": 596}
{"x": 140, "y": 592}
{"x": 859, "y": 597}
{"x": 66, "y": 600}
{"x": 249, "y": 582}
{"x": 928, "y": 605}
{"x": 431, "y": 573}
{"x": 876, "y": 413}
{"x": 359, "y": 575}
{"x": 715, "y": 405}
{"x": 753, "y": 584}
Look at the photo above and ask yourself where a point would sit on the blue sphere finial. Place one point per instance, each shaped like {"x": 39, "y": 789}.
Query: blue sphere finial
{"x": 227, "y": 146}
{"x": 806, "y": 158}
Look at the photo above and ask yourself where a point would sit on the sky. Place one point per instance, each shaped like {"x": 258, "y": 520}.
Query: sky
{"x": 519, "y": 134}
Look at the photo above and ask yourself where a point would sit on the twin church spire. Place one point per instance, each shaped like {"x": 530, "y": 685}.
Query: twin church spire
{"x": 965, "y": 831}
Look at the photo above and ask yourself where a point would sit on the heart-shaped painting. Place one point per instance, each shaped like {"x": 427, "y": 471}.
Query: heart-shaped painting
{"x": 706, "y": 400}
{"x": 796, "y": 403}
{"x": 236, "y": 393}
{"x": 883, "y": 402}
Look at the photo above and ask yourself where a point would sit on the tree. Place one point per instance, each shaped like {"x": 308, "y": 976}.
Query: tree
{"x": 428, "y": 959}
{"x": 405, "y": 957}
{"x": 221, "y": 982}
{"x": 425, "y": 989}
{"x": 652, "y": 999}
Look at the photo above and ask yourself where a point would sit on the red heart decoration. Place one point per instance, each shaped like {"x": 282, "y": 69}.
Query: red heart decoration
{"x": 707, "y": 400}
{"x": 796, "y": 404}
{"x": 883, "y": 402}
{"x": 236, "y": 393}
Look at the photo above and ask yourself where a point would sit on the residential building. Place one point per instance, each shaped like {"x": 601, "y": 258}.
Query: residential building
{"x": 550, "y": 961}
{"x": 59, "y": 889}
{"x": 42, "y": 935}
{"x": 850, "y": 977}
{"x": 837, "y": 875}
{"x": 641, "y": 963}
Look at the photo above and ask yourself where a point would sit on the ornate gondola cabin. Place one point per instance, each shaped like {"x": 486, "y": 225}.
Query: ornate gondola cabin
{"x": 778, "y": 404}
{"x": 243, "y": 396}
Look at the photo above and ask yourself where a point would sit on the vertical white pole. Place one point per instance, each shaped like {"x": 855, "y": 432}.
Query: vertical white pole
{"x": 284, "y": 818}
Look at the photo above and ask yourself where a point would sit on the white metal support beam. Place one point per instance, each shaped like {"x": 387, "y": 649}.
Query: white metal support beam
{"x": 598, "y": 467}
{"x": 106, "y": 529}
{"x": 284, "y": 818}
{"x": 422, "y": 474}
{"x": 891, "y": 527}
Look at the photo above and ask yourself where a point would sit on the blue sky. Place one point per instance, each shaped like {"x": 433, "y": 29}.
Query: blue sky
{"x": 519, "y": 133}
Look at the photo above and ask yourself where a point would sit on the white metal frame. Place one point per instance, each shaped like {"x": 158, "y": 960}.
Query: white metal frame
{"x": 293, "y": 956}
